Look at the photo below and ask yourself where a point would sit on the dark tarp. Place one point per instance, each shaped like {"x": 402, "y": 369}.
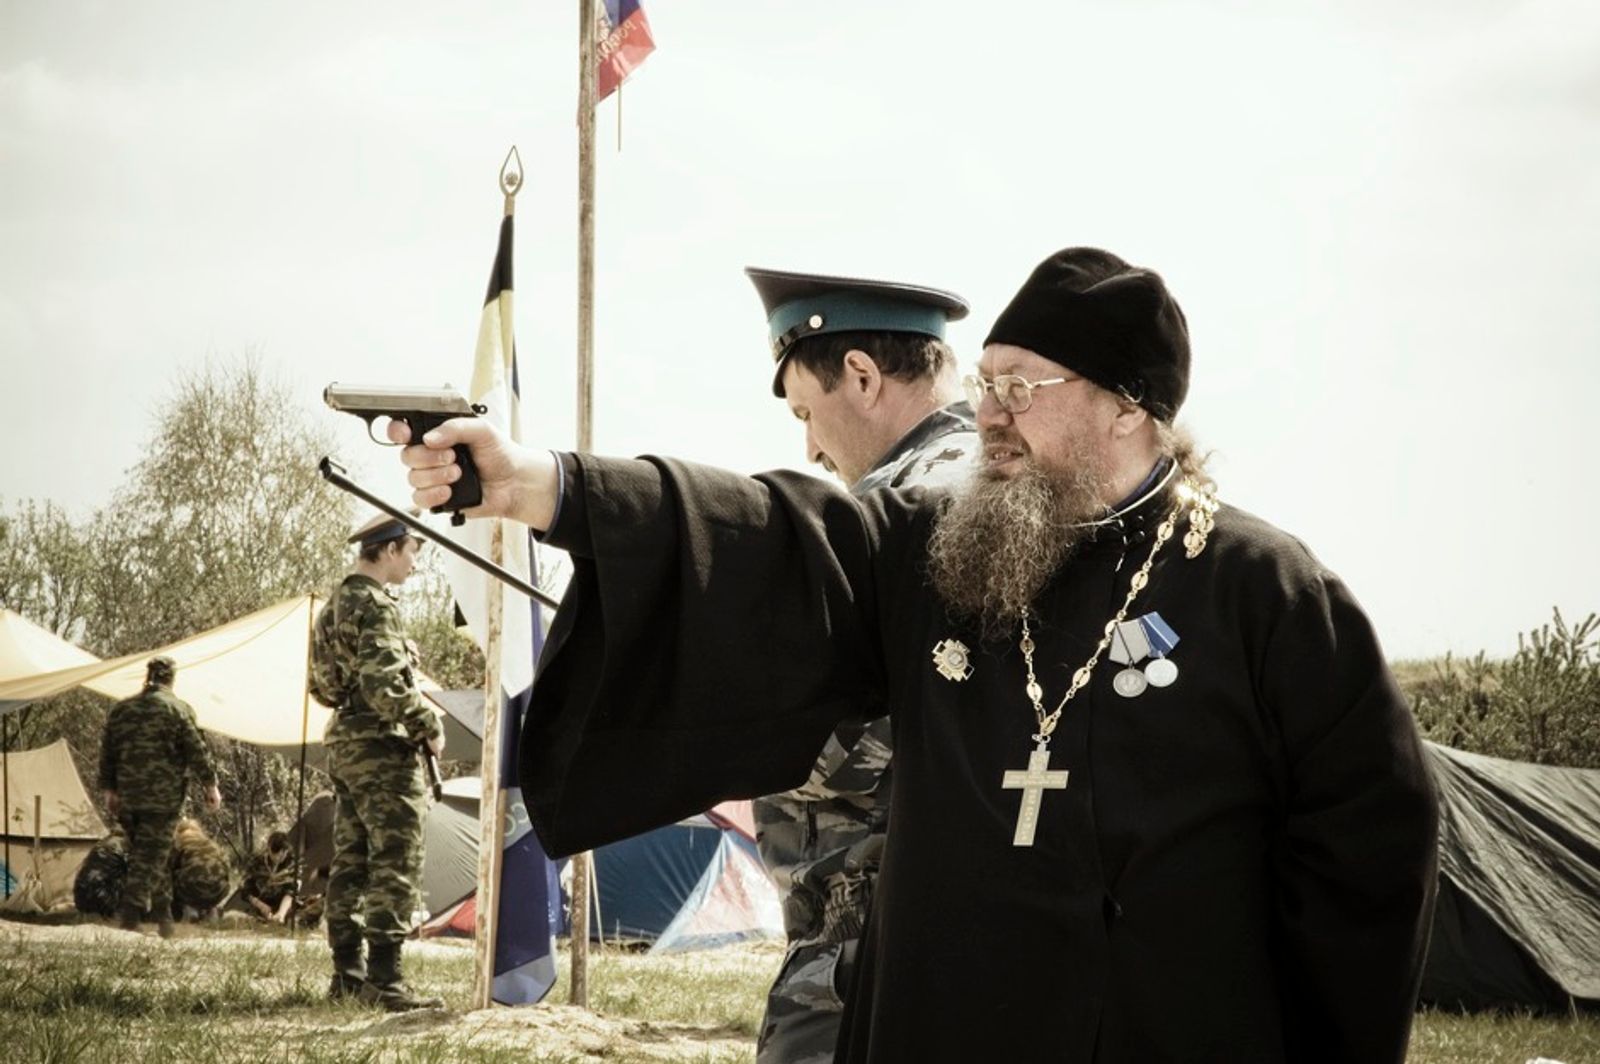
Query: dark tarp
{"x": 1518, "y": 917}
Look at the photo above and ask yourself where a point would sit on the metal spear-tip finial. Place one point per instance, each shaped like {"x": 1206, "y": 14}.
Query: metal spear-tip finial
{"x": 511, "y": 173}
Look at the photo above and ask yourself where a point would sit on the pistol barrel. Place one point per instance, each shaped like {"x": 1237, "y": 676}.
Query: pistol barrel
{"x": 378, "y": 399}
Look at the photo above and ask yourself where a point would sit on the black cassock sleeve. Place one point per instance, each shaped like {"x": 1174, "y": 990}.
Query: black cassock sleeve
{"x": 716, "y": 628}
{"x": 1357, "y": 863}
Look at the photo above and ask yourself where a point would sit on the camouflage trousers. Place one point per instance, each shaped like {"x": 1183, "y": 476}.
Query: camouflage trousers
{"x": 805, "y": 1004}
{"x": 148, "y": 886}
{"x": 375, "y": 881}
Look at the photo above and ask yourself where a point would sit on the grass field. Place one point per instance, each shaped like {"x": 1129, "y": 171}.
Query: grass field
{"x": 87, "y": 993}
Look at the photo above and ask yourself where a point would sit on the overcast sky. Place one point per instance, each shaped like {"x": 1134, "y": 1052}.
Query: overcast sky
{"x": 1381, "y": 221}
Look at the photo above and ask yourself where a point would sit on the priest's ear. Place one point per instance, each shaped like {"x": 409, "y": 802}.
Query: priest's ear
{"x": 1130, "y": 416}
{"x": 862, "y": 376}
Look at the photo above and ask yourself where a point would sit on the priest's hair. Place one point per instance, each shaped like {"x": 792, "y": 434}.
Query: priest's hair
{"x": 1177, "y": 443}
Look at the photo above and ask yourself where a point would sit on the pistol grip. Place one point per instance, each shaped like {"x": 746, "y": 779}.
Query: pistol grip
{"x": 466, "y": 491}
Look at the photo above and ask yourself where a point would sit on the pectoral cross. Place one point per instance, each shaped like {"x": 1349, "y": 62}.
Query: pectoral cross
{"x": 1033, "y": 782}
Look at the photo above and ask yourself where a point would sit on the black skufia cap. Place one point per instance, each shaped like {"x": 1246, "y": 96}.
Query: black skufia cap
{"x": 1113, "y": 323}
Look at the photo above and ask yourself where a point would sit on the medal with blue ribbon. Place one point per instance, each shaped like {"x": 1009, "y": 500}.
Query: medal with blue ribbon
{"x": 1149, "y": 636}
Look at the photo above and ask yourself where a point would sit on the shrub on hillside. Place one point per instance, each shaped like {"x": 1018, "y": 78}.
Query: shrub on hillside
{"x": 1542, "y": 704}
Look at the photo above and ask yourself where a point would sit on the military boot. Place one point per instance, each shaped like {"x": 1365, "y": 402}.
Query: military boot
{"x": 385, "y": 987}
{"x": 349, "y": 970}
{"x": 128, "y": 918}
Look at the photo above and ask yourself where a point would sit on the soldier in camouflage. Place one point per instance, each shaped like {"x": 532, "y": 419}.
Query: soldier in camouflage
{"x": 97, "y": 887}
{"x": 149, "y": 751}
{"x": 202, "y": 875}
{"x": 863, "y": 365}
{"x": 269, "y": 885}
{"x": 362, "y": 670}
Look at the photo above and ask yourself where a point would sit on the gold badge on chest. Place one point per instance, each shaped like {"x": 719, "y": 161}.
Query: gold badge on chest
{"x": 952, "y": 660}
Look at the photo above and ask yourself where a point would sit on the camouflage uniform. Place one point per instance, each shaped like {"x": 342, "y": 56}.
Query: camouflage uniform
{"x": 150, "y": 750}
{"x": 822, "y": 842}
{"x": 202, "y": 876}
{"x": 360, "y": 667}
{"x": 270, "y": 876}
{"x": 97, "y": 888}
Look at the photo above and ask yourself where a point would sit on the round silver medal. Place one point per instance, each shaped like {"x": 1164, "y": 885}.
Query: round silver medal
{"x": 1161, "y": 672}
{"x": 1129, "y": 683}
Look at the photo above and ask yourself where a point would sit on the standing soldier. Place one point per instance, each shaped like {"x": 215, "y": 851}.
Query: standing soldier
{"x": 380, "y": 725}
{"x": 150, "y": 749}
{"x": 864, "y": 366}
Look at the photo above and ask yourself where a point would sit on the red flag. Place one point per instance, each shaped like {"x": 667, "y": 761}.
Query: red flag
{"x": 623, "y": 40}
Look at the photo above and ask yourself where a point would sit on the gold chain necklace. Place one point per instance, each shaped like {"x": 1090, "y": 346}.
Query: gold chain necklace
{"x": 1036, "y": 778}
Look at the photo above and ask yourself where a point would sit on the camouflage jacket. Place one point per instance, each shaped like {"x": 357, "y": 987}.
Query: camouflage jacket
{"x": 362, "y": 669}
{"x": 151, "y": 749}
{"x": 269, "y": 878}
{"x": 822, "y": 842}
{"x": 97, "y": 888}
{"x": 201, "y": 872}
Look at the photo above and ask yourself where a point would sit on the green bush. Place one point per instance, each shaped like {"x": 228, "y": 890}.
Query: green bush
{"x": 1542, "y": 704}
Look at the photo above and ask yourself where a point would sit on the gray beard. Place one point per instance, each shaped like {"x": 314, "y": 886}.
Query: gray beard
{"x": 999, "y": 542}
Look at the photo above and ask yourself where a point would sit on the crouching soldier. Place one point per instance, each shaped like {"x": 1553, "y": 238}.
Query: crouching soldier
{"x": 201, "y": 874}
{"x": 97, "y": 888}
{"x": 269, "y": 884}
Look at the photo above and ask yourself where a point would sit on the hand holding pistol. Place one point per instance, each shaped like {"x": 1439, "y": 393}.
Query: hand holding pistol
{"x": 422, "y": 409}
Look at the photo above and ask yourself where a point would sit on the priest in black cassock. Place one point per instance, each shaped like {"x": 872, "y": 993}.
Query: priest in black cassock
{"x": 1157, "y": 796}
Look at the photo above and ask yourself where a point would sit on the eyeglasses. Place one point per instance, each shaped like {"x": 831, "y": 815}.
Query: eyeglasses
{"x": 1013, "y": 393}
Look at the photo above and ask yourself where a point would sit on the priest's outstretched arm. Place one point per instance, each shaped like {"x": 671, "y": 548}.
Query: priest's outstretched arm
{"x": 716, "y": 629}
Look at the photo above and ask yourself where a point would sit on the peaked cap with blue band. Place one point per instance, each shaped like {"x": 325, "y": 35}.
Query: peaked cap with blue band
{"x": 381, "y": 529}
{"x": 811, "y": 304}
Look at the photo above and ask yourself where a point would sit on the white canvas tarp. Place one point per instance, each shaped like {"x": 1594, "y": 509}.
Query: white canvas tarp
{"x": 245, "y": 679}
{"x": 27, "y": 649}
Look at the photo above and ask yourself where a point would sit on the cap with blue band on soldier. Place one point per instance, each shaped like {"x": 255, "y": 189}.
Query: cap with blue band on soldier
{"x": 808, "y": 304}
{"x": 381, "y": 529}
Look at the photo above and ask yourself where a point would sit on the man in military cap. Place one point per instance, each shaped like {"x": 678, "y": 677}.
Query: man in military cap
{"x": 361, "y": 669}
{"x": 864, "y": 366}
{"x": 149, "y": 751}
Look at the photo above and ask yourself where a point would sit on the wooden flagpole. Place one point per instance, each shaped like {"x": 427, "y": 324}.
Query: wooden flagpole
{"x": 586, "y": 92}
{"x": 492, "y": 799}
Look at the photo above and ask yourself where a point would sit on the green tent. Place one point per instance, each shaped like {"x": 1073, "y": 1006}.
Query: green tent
{"x": 1518, "y": 919}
